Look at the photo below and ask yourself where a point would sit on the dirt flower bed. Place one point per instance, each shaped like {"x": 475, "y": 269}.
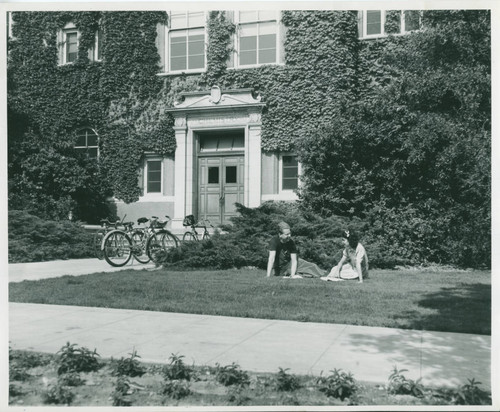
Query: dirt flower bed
{"x": 78, "y": 377}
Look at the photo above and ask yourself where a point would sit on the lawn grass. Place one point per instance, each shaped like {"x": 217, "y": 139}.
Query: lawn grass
{"x": 448, "y": 301}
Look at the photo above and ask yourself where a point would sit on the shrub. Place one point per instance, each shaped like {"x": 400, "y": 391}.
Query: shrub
{"x": 17, "y": 373}
{"x": 32, "y": 239}
{"x": 177, "y": 369}
{"x": 338, "y": 385}
{"x": 122, "y": 389}
{"x": 70, "y": 379}
{"x": 57, "y": 394}
{"x": 27, "y": 360}
{"x": 128, "y": 366}
{"x": 231, "y": 375}
{"x": 286, "y": 382}
{"x": 176, "y": 389}
{"x": 471, "y": 394}
{"x": 400, "y": 385}
{"x": 74, "y": 359}
{"x": 238, "y": 395}
{"x": 15, "y": 390}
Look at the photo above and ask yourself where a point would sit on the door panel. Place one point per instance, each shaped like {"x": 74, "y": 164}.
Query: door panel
{"x": 221, "y": 185}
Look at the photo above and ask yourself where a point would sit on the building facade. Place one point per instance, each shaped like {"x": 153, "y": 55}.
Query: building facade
{"x": 235, "y": 121}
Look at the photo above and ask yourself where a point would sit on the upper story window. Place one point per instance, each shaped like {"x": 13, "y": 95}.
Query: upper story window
{"x": 380, "y": 23}
{"x": 182, "y": 44}
{"x": 257, "y": 38}
{"x": 95, "y": 53}
{"x": 69, "y": 44}
{"x": 87, "y": 140}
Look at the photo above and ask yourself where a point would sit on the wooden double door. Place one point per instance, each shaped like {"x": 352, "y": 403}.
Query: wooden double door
{"x": 220, "y": 186}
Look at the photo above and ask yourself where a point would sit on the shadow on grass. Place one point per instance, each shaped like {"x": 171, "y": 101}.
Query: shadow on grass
{"x": 461, "y": 308}
{"x": 427, "y": 350}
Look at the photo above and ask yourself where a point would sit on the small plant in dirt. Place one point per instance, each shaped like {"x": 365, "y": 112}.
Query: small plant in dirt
{"x": 231, "y": 375}
{"x": 468, "y": 394}
{"x": 237, "y": 395}
{"x": 128, "y": 366}
{"x": 177, "y": 369}
{"x": 70, "y": 379}
{"x": 122, "y": 390}
{"x": 286, "y": 382}
{"x": 57, "y": 395}
{"x": 17, "y": 373}
{"x": 400, "y": 385}
{"x": 74, "y": 359}
{"x": 27, "y": 360}
{"x": 339, "y": 384}
{"x": 15, "y": 390}
{"x": 289, "y": 399}
{"x": 176, "y": 389}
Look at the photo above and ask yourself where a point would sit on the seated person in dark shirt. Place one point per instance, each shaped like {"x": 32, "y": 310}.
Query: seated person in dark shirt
{"x": 283, "y": 257}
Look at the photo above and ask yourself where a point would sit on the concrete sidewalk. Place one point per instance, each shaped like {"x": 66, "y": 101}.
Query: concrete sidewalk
{"x": 259, "y": 345}
{"x": 75, "y": 267}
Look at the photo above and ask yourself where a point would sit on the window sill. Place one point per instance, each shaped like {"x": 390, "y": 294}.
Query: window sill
{"x": 253, "y": 66}
{"x": 155, "y": 198}
{"x": 180, "y": 73}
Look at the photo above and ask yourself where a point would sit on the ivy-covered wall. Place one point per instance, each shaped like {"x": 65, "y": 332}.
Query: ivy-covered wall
{"x": 123, "y": 99}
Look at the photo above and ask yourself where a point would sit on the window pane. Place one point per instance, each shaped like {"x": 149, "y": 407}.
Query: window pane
{"x": 91, "y": 139}
{"x": 178, "y": 20}
{"x": 196, "y": 62}
{"x": 248, "y": 58}
{"x": 231, "y": 176}
{"x": 267, "y": 15}
{"x": 373, "y": 22}
{"x": 290, "y": 161}
{"x": 154, "y": 176}
{"x": 290, "y": 172}
{"x": 267, "y": 48}
{"x": 290, "y": 184}
{"x": 248, "y": 43}
{"x": 71, "y": 47}
{"x": 246, "y": 16}
{"x": 93, "y": 152}
{"x": 213, "y": 174}
{"x": 81, "y": 140}
{"x": 196, "y": 19}
{"x": 196, "y": 44}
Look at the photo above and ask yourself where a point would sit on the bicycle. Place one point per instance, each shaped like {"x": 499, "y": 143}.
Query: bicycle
{"x": 139, "y": 237}
{"x": 159, "y": 239}
{"x": 106, "y": 226}
{"x": 192, "y": 234}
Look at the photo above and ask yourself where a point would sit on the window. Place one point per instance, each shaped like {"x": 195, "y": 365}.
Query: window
{"x": 153, "y": 176}
{"x": 95, "y": 53}
{"x": 87, "y": 140}
{"x": 289, "y": 172}
{"x": 184, "y": 45}
{"x": 372, "y": 23}
{"x": 68, "y": 39}
{"x": 257, "y": 38}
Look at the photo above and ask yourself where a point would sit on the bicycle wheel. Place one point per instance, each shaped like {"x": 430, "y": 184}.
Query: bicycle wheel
{"x": 160, "y": 241}
{"x": 98, "y": 237}
{"x": 189, "y": 237}
{"x": 139, "y": 246}
{"x": 117, "y": 248}
{"x": 168, "y": 240}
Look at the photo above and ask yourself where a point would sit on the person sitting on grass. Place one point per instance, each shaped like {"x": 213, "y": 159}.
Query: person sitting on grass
{"x": 283, "y": 257}
{"x": 354, "y": 262}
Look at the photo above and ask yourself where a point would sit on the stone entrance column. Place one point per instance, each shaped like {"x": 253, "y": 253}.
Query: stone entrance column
{"x": 253, "y": 162}
{"x": 180, "y": 129}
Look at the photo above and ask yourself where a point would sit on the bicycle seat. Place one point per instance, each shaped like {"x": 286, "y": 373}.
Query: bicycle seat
{"x": 142, "y": 220}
